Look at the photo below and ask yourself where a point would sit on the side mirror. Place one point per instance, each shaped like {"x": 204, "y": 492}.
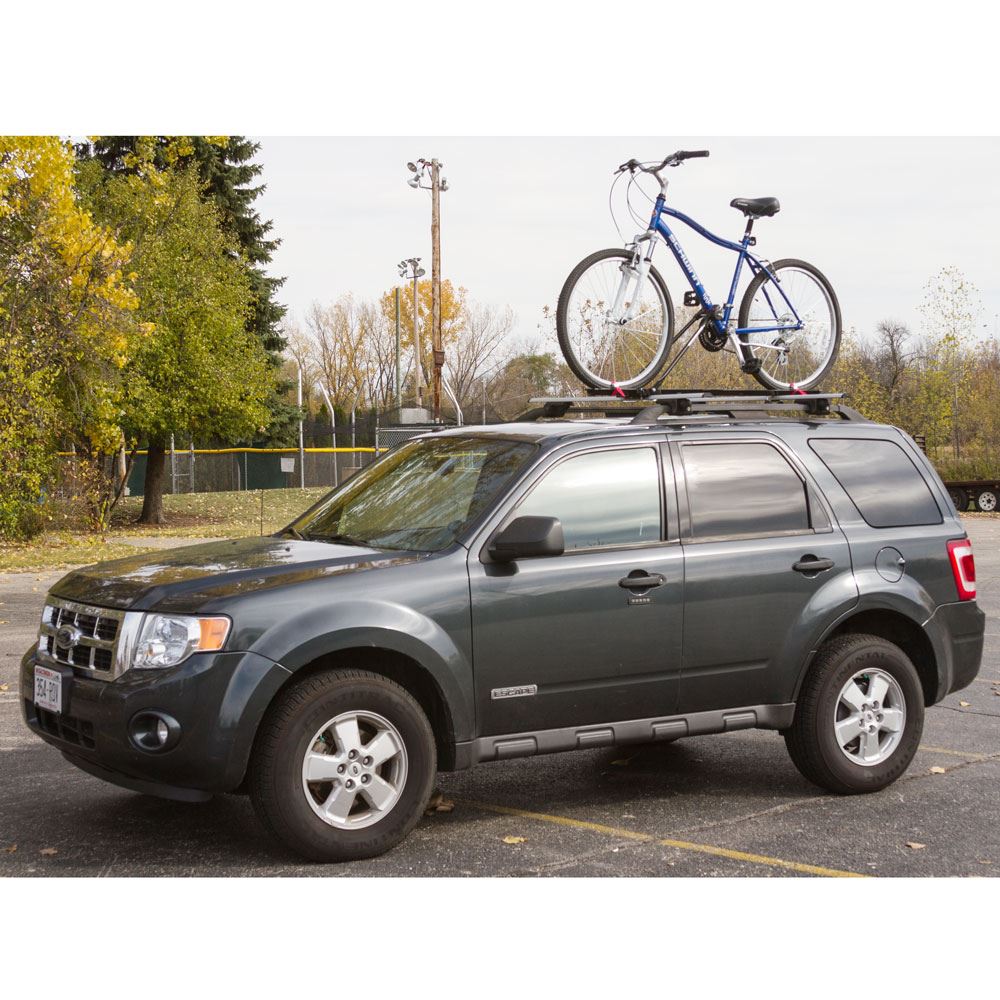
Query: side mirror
{"x": 527, "y": 537}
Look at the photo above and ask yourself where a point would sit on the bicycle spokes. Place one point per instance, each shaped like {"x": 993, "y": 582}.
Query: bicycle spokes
{"x": 791, "y": 327}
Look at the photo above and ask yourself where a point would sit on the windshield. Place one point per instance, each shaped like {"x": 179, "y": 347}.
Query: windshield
{"x": 420, "y": 496}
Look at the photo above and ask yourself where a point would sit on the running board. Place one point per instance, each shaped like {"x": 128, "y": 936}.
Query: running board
{"x": 659, "y": 729}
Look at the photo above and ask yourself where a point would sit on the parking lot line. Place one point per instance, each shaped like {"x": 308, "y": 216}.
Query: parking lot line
{"x": 956, "y": 753}
{"x": 682, "y": 845}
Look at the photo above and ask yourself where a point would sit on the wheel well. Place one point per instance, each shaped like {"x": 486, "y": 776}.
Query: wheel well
{"x": 902, "y": 632}
{"x": 408, "y": 674}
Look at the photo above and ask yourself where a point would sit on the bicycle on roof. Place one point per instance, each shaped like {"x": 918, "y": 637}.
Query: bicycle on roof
{"x": 615, "y": 317}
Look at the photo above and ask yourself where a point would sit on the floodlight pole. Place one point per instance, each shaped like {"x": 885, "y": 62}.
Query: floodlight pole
{"x": 302, "y": 450}
{"x": 399, "y": 377}
{"x": 436, "y": 344}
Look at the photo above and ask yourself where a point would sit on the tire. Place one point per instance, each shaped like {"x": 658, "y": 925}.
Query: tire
{"x": 813, "y": 371}
{"x": 289, "y": 807}
{"x": 653, "y": 355}
{"x": 959, "y": 498}
{"x": 813, "y": 740}
{"x": 986, "y": 501}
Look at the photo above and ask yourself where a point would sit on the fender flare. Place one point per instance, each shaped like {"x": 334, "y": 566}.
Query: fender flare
{"x": 380, "y": 625}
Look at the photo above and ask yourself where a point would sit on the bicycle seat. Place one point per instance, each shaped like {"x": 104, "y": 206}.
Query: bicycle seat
{"x": 756, "y": 207}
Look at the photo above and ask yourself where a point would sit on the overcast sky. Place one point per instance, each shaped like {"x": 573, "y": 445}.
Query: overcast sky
{"x": 877, "y": 216}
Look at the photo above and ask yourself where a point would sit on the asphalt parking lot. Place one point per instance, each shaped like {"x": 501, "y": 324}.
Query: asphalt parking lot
{"x": 715, "y": 805}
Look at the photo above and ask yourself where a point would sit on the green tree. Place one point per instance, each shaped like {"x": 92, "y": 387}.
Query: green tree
{"x": 229, "y": 181}
{"x": 195, "y": 370}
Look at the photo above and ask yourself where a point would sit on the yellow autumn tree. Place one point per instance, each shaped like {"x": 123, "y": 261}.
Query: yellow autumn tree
{"x": 66, "y": 307}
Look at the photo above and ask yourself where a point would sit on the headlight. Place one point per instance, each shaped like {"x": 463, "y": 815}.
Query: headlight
{"x": 166, "y": 640}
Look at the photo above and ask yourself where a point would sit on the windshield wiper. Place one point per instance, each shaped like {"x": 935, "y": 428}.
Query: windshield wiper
{"x": 337, "y": 539}
{"x": 295, "y": 533}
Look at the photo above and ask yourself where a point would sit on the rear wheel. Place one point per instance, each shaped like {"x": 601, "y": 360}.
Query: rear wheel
{"x": 601, "y": 347}
{"x": 343, "y": 766}
{"x": 859, "y": 716}
{"x": 986, "y": 501}
{"x": 793, "y": 292}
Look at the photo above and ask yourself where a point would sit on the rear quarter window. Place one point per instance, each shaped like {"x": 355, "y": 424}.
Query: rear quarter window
{"x": 881, "y": 481}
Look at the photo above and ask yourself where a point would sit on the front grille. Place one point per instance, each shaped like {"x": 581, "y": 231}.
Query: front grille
{"x": 81, "y": 636}
{"x": 64, "y": 727}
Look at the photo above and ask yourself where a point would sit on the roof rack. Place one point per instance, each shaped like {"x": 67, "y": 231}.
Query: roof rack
{"x": 693, "y": 405}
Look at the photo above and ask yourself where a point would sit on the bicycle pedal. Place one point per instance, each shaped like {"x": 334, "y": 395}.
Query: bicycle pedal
{"x": 690, "y": 299}
{"x": 751, "y": 367}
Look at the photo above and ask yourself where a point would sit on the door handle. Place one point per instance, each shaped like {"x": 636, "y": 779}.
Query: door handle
{"x": 812, "y": 564}
{"x": 640, "y": 580}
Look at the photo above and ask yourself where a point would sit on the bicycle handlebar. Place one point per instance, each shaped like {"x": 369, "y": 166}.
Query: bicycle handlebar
{"x": 673, "y": 160}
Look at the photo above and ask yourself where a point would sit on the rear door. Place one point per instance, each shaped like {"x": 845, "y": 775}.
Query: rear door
{"x": 763, "y": 563}
{"x": 558, "y": 641}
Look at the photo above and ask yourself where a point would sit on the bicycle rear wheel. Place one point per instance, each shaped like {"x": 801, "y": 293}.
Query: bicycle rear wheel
{"x": 602, "y": 349}
{"x": 791, "y": 358}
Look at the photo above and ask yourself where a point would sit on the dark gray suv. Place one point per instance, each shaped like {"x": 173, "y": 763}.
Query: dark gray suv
{"x": 680, "y": 567}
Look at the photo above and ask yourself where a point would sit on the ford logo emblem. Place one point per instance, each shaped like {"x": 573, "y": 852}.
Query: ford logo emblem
{"x": 67, "y": 636}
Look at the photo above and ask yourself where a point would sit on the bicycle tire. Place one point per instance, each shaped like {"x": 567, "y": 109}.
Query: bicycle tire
{"x": 576, "y": 365}
{"x": 744, "y": 315}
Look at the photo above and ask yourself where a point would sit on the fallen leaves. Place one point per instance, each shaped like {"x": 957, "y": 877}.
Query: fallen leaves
{"x": 10, "y": 850}
{"x": 914, "y": 846}
{"x": 514, "y": 840}
{"x": 937, "y": 770}
{"x": 4, "y": 687}
{"x": 965, "y": 704}
{"x": 438, "y": 804}
{"x": 47, "y": 852}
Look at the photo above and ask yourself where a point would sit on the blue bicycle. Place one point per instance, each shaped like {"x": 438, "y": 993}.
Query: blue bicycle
{"x": 615, "y": 318}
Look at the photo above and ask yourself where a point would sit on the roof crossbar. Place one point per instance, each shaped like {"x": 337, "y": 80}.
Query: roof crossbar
{"x": 734, "y": 404}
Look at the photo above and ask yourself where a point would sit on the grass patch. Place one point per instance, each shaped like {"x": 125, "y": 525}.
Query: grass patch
{"x": 187, "y": 515}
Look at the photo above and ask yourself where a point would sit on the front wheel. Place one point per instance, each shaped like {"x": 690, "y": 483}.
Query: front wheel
{"x": 343, "y": 766}
{"x": 615, "y": 325}
{"x": 791, "y": 322}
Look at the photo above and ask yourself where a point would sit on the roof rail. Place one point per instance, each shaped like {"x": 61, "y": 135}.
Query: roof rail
{"x": 650, "y": 407}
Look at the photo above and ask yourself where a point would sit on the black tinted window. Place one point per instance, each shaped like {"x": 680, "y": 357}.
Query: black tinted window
{"x": 881, "y": 480}
{"x": 601, "y": 498}
{"x": 742, "y": 489}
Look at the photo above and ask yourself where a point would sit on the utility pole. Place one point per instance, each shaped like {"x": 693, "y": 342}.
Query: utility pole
{"x": 436, "y": 283}
{"x": 432, "y": 169}
{"x": 302, "y": 450}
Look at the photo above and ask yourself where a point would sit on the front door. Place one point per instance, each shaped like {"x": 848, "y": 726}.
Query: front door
{"x": 559, "y": 641}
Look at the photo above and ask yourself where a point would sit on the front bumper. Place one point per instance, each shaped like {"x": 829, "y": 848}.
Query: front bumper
{"x": 218, "y": 699}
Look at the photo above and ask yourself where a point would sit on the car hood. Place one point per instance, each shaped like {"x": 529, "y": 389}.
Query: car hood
{"x": 187, "y": 578}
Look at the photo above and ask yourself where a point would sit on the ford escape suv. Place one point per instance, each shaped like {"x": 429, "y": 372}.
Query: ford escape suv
{"x": 666, "y": 569}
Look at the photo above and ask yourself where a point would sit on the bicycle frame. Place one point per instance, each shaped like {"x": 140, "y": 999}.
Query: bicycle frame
{"x": 736, "y": 335}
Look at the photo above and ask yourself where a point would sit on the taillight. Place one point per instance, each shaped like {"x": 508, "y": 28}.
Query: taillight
{"x": 963, "y": 565}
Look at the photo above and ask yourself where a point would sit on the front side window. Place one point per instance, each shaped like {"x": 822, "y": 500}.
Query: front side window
{"x": 419, "y": 497}
{"x": 744, "y": 488}
{"x": 602, "y": 498}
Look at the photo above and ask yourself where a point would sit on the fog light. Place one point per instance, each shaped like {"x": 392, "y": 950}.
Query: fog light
{"x": 154, "y": 732}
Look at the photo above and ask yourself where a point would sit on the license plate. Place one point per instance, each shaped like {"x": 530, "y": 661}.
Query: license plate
{"x": 48, "y": 689}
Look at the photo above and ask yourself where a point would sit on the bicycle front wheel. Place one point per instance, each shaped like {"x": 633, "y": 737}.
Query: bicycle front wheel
{"x": 614, "y": 327}
{"x": 792, "y": 319}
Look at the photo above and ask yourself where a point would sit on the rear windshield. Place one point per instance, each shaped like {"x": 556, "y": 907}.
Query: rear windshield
{"x": 420, "y": 496}
{"x": 881, "y": 480}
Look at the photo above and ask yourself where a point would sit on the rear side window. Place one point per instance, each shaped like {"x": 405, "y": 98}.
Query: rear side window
{"x": 743, "y": 489}
{"x": 881, "y": 480}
